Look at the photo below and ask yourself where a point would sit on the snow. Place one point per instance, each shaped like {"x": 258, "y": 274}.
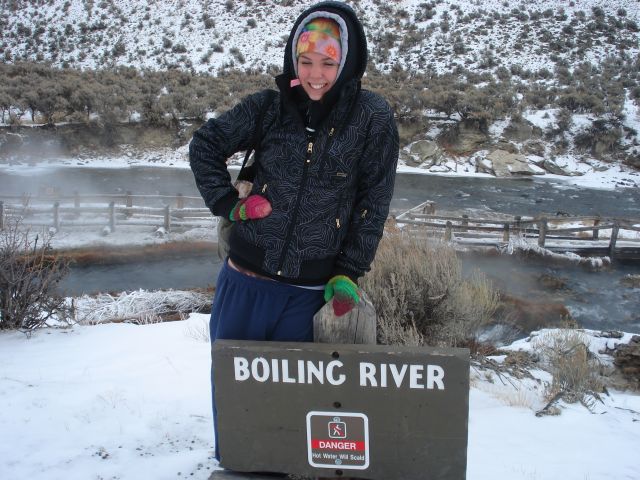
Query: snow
{"x": 124, "y": 401}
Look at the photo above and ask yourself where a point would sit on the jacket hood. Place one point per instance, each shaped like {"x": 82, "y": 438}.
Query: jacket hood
{"x": 353, "y": 39}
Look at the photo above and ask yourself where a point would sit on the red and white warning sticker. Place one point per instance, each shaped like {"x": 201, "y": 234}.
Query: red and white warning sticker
{"x": 338, "y": 440}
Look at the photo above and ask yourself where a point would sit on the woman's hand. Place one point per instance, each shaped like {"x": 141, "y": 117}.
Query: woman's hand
{"x": 250, "y": 208}
{"x": 344, "y": 293}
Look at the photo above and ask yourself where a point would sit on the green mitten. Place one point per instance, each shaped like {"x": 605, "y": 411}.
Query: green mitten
{"x": 344, "y": 293}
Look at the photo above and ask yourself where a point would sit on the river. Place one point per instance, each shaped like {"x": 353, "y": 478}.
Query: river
{"x": 595, "y": 299}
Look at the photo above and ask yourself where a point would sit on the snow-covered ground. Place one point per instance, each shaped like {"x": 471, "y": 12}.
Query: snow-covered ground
{"x": 120, "y": 401}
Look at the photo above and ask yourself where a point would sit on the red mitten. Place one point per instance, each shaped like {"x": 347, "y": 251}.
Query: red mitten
{"x": 250, "y": 208}
{"x": 344, "y": 293}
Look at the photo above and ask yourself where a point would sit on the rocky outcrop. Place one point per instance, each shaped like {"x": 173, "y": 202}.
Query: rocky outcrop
{"x": 521, "y": 130}
{"x": 504, "y": 164}
{"x": 424, "y": 153}
{"x": 466, "y": 137}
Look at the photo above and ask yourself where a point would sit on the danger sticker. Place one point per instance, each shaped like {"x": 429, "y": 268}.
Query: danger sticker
{"x": 338, "y": 440}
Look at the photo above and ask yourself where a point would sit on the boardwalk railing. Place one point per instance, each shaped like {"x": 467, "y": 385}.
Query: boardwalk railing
{"x": 106, "y": 211}
{"x": 578, "y": 234}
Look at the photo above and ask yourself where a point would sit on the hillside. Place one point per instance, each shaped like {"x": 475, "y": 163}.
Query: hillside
{"x": 551, "y": 82}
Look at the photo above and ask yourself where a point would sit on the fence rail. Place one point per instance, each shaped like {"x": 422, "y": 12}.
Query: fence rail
{"x": 550, "y": 232}
{"x": 116, "y": 210}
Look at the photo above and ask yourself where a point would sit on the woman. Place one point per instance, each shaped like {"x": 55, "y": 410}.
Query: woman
{"x": 323, "y": 180}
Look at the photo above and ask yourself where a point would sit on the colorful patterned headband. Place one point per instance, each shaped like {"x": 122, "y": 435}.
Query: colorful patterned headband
{"x": 320, "y": 35}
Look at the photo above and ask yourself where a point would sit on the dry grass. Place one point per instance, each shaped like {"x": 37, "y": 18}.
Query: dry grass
{"x": 421, "y": 297}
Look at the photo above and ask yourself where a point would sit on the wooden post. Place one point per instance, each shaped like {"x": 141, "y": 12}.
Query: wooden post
{"x": 429, "y": 208}
{"x": 179, "y": 201}
{"x": 448, "y": 233}
{"x": 357, "y": 326}
{"x": 542, "y": 228}
{"x": 56, "y": 215}
{"x": 596, "y": 231}
{"x": 614, "y": 238}
{"x": 517, "y": 225}
{"x": 465, "y": 222}
{"x": 167, "y": 218}
{"x": 128, "y": 203}
{"x": 112, "y": 216}
{"x": 505, "y": 233}
{"x": 1, "y": 215}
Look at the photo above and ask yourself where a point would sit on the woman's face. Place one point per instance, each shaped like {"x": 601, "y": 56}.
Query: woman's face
{"x": 317, "y": 74}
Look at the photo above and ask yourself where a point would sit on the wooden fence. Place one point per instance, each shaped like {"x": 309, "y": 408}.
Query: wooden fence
{"x": 550, "y": 232}
{"x": 106, "y": 211}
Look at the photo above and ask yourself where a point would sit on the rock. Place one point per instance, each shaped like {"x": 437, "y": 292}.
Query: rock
{"x": 551, "y": 282}
{"x": 534, "y": 148}
{"x": 631, "y": 281}
{"x": 633, "y": 160}
{"x": 425, "y": 153}
{"x": 507, "y": 164}
{"x": 626, "y": 358}
{"x": 521, "y": 130}
{"x": 552, "y": 168}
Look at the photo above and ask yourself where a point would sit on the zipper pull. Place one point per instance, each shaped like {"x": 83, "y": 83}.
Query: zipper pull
{"x": 264, "y": 188}
{"x": 364, "y": 213}
{"x": 331, "y": 132}
{"x": 337, "y": 223}
{"x": 310, "y": 148}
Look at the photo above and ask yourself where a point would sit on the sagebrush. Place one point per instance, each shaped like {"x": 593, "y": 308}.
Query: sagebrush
{"x": 422, "y": 297}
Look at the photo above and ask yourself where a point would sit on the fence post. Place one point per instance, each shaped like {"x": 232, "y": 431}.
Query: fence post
{"x": 128, "y": 203}
{"x": 614, "y": 238}
{"x": 505, "y": 233}
{"x": 448, "y": 233}
{"x": 179, "y": 201}
{"x": 542, "y": 229}
{"x": 1, "y": 215}
{"x": 56, "y": 215}
{"x": 112, "y": 216}
{"x": 517, "y": 225}
{"x": 596, "y": 231}
{"x": 429, "y": 208}
{"x": 465, "y": 222}
{"x": 167, "y": 218}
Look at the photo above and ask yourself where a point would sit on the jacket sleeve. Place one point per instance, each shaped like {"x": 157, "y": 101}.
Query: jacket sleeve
{"x": 376, "y": 178}
{"x": 214, "y": 143}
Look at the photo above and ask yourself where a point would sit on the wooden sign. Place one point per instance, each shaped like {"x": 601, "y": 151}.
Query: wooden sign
{"x": 328, "y": 410}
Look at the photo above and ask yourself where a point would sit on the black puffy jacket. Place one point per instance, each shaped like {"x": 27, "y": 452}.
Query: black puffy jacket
{"x": 330, "y": 193}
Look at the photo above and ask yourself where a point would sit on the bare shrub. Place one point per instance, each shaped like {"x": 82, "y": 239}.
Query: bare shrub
{"x": 421, "y": 296}
{"x": 574, "y": 369}
{"x": 29, "y": 273}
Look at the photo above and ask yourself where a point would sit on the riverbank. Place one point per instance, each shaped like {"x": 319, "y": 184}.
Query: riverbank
{"x": 581, "y": 172}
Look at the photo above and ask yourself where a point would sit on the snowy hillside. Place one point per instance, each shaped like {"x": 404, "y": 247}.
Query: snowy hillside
{"x": 437, "y": 36}
{"x": 490, "y": 87}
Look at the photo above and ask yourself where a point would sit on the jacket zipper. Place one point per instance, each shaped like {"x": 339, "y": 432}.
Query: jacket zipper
{"x": 294, "y": 218}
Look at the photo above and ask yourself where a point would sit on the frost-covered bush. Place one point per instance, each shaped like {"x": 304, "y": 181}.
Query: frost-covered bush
{"x": 29, "y": 274}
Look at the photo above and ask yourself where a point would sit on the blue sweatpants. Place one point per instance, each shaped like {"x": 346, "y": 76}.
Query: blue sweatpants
{"x": 249, "y": 308}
